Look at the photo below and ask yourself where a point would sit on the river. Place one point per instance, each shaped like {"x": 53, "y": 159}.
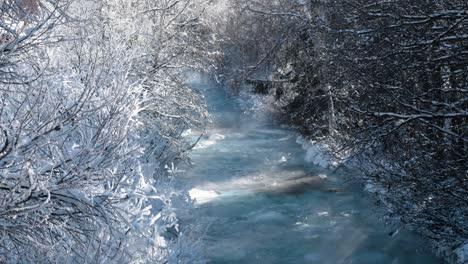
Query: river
{"x": 263, "y": 203}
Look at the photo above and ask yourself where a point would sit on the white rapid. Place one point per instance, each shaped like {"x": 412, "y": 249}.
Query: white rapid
{"x": 262, "y": 203}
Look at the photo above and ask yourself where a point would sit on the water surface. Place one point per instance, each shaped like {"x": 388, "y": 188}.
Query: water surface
{"x": 262, "y": 203}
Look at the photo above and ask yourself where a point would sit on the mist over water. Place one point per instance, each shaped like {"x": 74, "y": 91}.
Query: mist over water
{"x": 263, "y": 203}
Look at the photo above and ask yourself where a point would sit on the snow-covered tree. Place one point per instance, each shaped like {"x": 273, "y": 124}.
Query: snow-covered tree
{"x": 90, "y": 116}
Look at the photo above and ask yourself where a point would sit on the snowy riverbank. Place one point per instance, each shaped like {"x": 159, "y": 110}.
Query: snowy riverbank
{"x": 265, "y": 107}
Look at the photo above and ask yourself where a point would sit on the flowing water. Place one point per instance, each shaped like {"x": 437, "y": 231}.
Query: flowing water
{"x": 263, "y": 203}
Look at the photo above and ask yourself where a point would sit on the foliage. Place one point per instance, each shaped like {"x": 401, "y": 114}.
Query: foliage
{"x": 91, "y": 113}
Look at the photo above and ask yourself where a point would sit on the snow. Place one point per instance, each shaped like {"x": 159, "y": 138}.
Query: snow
{"x": 315, "y": 153}
{"x": 83, "y": 149}
{"x": 322, "y": 214}
{"x": 322, "y": 176}
{"x": 187, "y": 133}
{"x": 210, "y": 141}
{"x": 371, "y": 188}
{"x": 202, "y": 196}
{"x": 462, "y": 253}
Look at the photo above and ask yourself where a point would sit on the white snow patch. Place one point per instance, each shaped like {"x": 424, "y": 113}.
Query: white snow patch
{"x": 212, "y": 140}
{"x": 462, "y": 253}
{"x": 187, "y": 133}
{"x": 372, "y": 188}
{"x": 323, "y": 214}
{"x": 217, "y": 136}
{"x": 204, "y": 144}
{"x": 283, "y": 159}
{"x": 323, "y": 176}
{"x": 202, "y": 196}
{"x": 316, "y": 153}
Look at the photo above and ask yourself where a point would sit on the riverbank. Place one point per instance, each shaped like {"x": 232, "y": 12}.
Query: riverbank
{"x": 316, "y": 153}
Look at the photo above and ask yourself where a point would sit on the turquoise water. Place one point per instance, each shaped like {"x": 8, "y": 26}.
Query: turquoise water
{"x": 262, "y": 203}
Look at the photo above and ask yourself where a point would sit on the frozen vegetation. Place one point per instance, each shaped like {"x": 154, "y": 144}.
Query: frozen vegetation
{"x": 335, "y": 132}
{"x": 91, "y": 115}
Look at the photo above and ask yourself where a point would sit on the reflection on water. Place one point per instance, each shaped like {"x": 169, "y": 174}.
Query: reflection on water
{"x": 264, "y": 204}
{"x": 281, "y": 182}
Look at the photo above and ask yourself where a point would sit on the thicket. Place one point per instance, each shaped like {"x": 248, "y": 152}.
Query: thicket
{"x": 92, "y": 107}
